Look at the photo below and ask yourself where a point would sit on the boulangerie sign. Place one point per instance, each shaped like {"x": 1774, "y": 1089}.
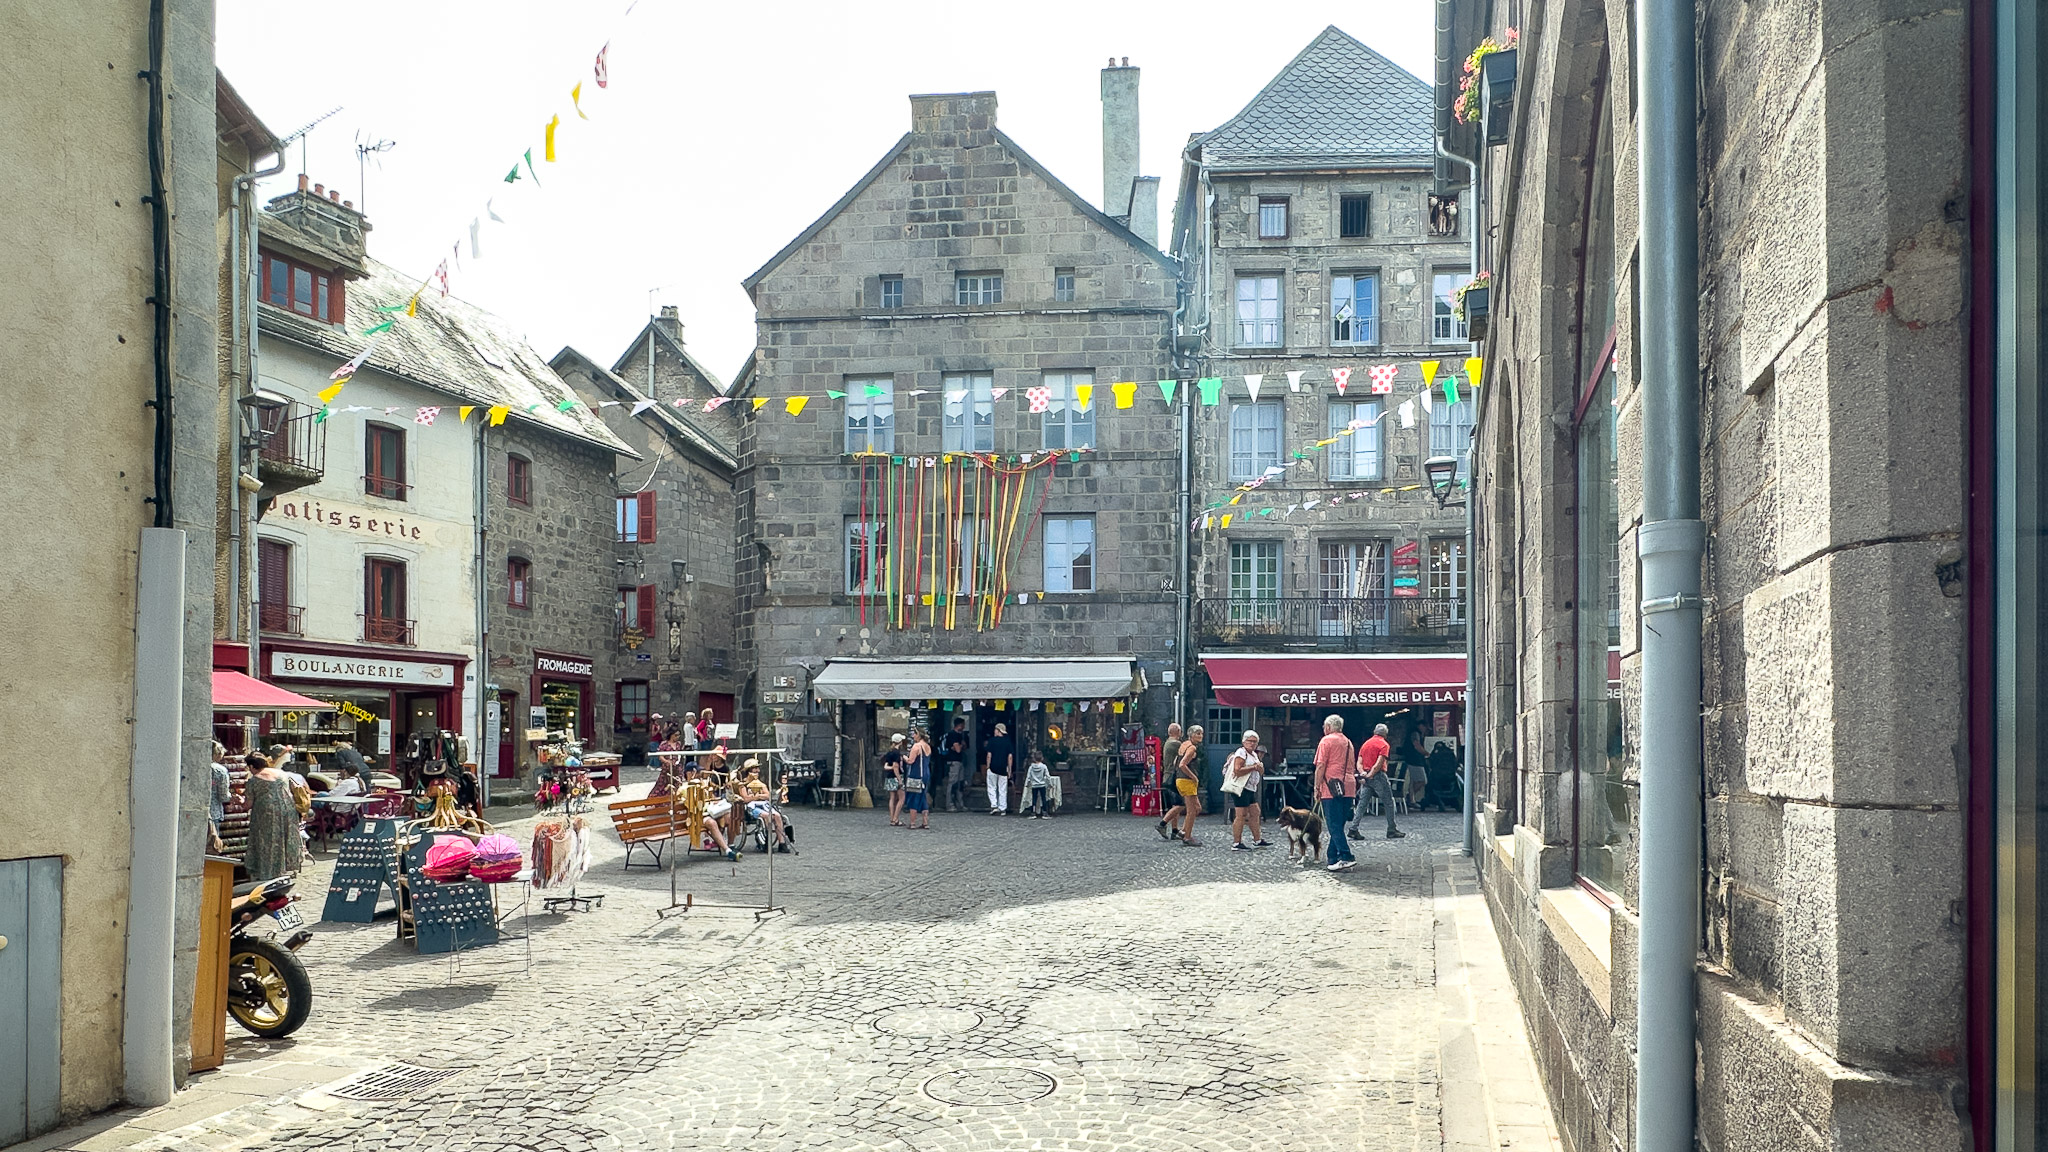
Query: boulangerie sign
{"x": 372, "y": 670}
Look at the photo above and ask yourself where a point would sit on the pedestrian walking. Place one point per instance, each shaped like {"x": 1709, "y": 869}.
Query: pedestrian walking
{"x": 1037, "y": 788}
{"x": 1243, "y": 776}
{"x": 1162, "y": 780}
{"x": 917, "y": 781}
{"x": 892, "y": 779}
{"x": 999, "y": 760}
{"x": 1375, "y": 759}
{"x": 1333, "y": 782}
{"x": 1179, "y": 824}
{"x": 274, "y": 847}
{"x": 221, "y": 790}
{"x": 953, "y": 757}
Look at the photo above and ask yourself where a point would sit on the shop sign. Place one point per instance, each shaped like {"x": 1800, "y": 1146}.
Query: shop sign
{"x": 308, "y": 666}
{"x": 351, "y": 519}
{"x": 1313, "y": 697}
{"x": 564, "y": 665}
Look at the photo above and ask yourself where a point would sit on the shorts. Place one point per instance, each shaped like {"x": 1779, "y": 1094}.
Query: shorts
{"x": 892, "y": 784}
{"x": 1187, "y": 788}
{"x": 758, "y": 808}
{"x": 1249, "y": 798}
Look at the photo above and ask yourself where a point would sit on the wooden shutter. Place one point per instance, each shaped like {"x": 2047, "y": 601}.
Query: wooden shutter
{"x": 273, "y": 578}
{"x": 645, "y": 608}
{"x": 337, "y": 301}
{"x": 647, "y": 517}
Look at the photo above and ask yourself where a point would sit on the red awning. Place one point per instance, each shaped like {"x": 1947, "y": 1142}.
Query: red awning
{"x": 1341, "y": 681}
{"x": 234, "y": 692}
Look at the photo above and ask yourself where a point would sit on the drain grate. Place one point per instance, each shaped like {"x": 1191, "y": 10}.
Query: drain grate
{"x": 391, "y": 1082}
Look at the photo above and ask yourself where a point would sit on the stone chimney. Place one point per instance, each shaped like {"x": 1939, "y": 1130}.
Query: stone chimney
{"x": 318, "y": 219}
{"x": 1145, "y": 209}
{"x": 671, "y": 323}
{"x": 955, "y": 119}
{"x": 1120, "y": 138}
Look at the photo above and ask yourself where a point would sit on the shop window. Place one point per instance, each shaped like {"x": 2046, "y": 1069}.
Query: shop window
{"x": 636, "y": 518}
{"x": 1444, "y": 325}
{"x": 1070, "y": 554}
{"x": 867, "y": 555}
{"x": 384, "y": 602}
{"x": 1360, "y": 435}
{"x": 632, "y": 703}
{"x": 1354, "y": 216}
{"x": 970, "y": 412}
{"x": 1258, "y": 311}
{"x": 1355, "y": 308}
{"x": 519, "y": 581}
{"x": 300, "y": 288}
{"x": 274, "y": 609}
{"x": 1273, "y": 218}
{"x": 1066, "y": 424}
{"x": 870, "y": 414}
{"x": 978, "y": 288}
{"x": 1351, "y": 587}
{"x": 1254, "y": 581}
{"x": 567, "y": 709}
{"x": 1255, "y": 431}
{"x": 892, "y": 291}
{"x": 519, "y": 479}
{"x": 384, "y": 461}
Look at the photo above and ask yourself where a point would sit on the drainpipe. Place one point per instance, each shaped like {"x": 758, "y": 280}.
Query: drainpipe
{"x": 245, "y": 265}
{"x": 483, "y": 618}
{"x": 1670, "y": 544}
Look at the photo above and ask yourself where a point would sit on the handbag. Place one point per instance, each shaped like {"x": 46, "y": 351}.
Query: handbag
{"x": 913, "y": 784}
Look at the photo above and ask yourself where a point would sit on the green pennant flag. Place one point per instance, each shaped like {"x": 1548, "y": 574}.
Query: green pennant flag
{"x": 565, "y": 405}
{"x": 532, "y": 408}
{"x": 529, "y": 168}
{"x": 877, "y": 390}
{"x": 384, "y": 327}
{"x": 1210, "y": 386}
{"x": 320, "y": 417}
{"x": 1073, "y": 457}
{"x": 835, "y": 395}
{"x": 1300, "y": 456}
{"x": 397, "y": 307}
{"x": 1166, "y": 389}
{"x": 512, "y": 175}
{"x": 1450, "y": 388}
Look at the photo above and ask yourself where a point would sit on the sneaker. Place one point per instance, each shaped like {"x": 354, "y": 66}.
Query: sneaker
{"x": 1396, "y": 834}
{"x": 1240, "y": 846}
{"x": 1345, "y": 865}
{"x": 1262, "y": 843}
{"x": 1354, "y": 834}
{"x": 1163, "y": 834}
{"x": 1337, "y": 867}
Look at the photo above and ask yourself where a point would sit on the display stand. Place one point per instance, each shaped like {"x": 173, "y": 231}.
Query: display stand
{"x": 575, "y": 834}
{"x": 364, "y": 866}
{"x": 684, "y": 902}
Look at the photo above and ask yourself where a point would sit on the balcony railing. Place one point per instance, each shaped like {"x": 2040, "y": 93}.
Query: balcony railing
{"x": 386, "y": 487}
{"x": 283, "y": 618}
{"x": 1344, "y": 624}
{"x": 291, "y": 450}
{"x": 383, "y": 630}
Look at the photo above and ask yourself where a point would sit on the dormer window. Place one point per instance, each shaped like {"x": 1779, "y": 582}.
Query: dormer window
{"x": 308, "y": 291}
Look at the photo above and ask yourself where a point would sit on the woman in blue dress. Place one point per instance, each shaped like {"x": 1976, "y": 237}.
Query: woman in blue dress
{"x": 917, "y": 781}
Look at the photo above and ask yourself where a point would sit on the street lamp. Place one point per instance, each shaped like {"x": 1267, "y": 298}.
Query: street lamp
{"x": 1442, "y": 472}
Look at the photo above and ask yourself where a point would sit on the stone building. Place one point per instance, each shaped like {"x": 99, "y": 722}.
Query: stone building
{"x": 1841, "y": 988}
{"x": 957, "y": 477}
{"x": 1316, "y": 253}
{"x": 677, "y": 375}
{"x": 673, "y": 524}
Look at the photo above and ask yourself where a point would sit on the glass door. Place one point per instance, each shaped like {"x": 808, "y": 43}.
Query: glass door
{"x": 1352, "y": 579}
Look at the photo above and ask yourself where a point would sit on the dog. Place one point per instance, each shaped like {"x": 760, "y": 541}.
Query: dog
{"x": 1304, "y": 835}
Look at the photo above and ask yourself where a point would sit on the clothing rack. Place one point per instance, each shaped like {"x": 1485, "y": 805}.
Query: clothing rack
{"x": 684, "y": 902}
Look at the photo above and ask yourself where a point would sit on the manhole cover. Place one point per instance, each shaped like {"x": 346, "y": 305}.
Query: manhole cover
{"x": 990, "y": 1087}
{"x": 928, "y": 1021}
{"x": 391, "y": 1082}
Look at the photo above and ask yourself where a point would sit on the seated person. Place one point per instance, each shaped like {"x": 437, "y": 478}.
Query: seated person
{"x": 761, "y": 808}
{"x": 718, "y": 811}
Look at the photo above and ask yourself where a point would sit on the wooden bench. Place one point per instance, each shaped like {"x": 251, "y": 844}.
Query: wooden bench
{"x": 649, "y": 825}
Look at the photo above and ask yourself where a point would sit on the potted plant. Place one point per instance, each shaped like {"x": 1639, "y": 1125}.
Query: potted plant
{"x": 1470, "y": 102}
{"x": 1471, "y": 304}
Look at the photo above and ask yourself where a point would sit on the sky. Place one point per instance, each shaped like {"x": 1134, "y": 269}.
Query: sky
{"x": 725, "y": 129}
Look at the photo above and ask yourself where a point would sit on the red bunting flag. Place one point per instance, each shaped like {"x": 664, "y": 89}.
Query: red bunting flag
{"x": 1342, "y": 376}
{"x": 604, "y": 74}
{"x": 1383, "y": 378}
{"x": 1041, "y": 398}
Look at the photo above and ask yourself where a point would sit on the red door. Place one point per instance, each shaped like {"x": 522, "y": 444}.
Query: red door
{"x": 720, "y": 704}
{"x": 508, "y": 746}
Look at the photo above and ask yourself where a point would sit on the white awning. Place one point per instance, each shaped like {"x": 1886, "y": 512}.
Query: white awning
{"x": 976, "y": 679}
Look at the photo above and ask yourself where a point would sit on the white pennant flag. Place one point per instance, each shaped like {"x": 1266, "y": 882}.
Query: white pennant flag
{"x": 957, "y": 396}
{"x": 643, "y": 406}
{"x": 1407, "y": 413}
{"x": 1424, "y": 397}
{"x": 475, "y": 247}
{"x": 491, "y": 213}
{"x": 1294, "y": 381}
{"x": 1251, "y": 384}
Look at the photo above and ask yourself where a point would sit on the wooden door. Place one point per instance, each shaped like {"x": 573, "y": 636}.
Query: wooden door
{"x": 210, "y": 982}
{"x": 31, "y": 981}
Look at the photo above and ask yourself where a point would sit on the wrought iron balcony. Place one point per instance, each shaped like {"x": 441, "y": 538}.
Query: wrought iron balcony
{"x": 1338, "y": 624}
{"x": 385, "y": 630}
{"x": 287, "y": 619}
{"x": 291, "y": 447}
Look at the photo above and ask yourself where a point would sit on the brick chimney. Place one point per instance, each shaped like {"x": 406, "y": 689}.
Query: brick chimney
{"x": 317, "y": 218}
{"x": 955, "y": 119}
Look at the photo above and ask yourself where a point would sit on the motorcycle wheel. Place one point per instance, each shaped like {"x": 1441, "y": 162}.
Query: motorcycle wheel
{"x": 269, "y": 992}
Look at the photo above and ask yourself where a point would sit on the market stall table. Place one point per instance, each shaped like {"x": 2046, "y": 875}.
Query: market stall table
{"x": 340, "y": 805}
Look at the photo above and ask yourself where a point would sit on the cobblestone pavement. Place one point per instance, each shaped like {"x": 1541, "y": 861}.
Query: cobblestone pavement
{"x": 995, "y": 983}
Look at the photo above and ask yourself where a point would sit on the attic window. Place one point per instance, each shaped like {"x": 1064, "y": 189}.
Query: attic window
{"x": 300, "y": 288}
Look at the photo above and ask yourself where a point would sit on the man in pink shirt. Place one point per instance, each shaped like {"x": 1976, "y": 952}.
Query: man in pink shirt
{"x": 1375, "y": 757}
{"x": 1333, "y": 790}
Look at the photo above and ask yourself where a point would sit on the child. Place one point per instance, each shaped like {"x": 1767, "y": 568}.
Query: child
{"x": 1037, "y": 786}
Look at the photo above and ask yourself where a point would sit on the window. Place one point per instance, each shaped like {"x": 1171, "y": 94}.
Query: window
{"x": 1063, "y": 284}
{"x": 384, "y": 618}
{"x": 1450, "y": 432}
{"x": 274, "y": 611}
{"x": 294, "y": 287}
{"x": 1351, "y": 581}
{"x": 867, "y": 555}
{"x": 1258, "y": 311}
{"x": 1066, "y": 425}
{"x": 519, "y": 480}
{"x": 1355, "y": 308}
{"x": 1444, "y": 325}
{"x": 970, "y": 412}
{"x": 1447, "y": 574}
{"x": 519, "y": 582}
{"x": 1070, "y": 554}
{"x": 1354, "y": 216}
{"x": 632, "y": 701}
{"x": 870, "y": 414}
{"x": 1273, "y": 218}
{"x": 636, "y": 609}
{"x": 384, "y": 461}
{"x": 1255, "y": 438}
{"x": 636, "y": 518}
{"x": 1254, "y": 581}
{"x": 978, "y": 288}
{"x": 1357, "y": 456}
{"x": 892, "y": 291}
{"x": 967, "y": 558}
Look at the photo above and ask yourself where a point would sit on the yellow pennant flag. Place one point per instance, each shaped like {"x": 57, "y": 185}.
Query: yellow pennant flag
{"x": 1125, "y": 394}
{"x": 1226, "y": 520}
{"x": 412, "y": 306}
{"x": 1472, "y": 367}
{"x": 576, "y": 98}
{"x": 795, "y": 404}
{"x": 463, "y": 413}
{"x": 1084, "y": 393}
{"x": 758, "y": 401}
{"x": 1429, "y": 368}
{"x": 1236, "y": 498}
{"x": 553, "y": 124}
{"x": 498, "y": 414}
{"x": 927, "y": 598}
{"x": 328, "y": 393}
{"x": 1116, "y": 706}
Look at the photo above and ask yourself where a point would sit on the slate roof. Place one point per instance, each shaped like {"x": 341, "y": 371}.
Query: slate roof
{"x": 675, "y": 422}
{"x": 450, "y": 347}
{"x": 1338, "y": 102}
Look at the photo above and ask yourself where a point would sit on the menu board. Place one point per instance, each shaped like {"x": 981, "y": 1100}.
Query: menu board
{"x": 362, "y": 870}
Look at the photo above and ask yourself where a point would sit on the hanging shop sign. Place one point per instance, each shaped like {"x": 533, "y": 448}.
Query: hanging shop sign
{"x": 564, "y": 665}
{"x": 308, "y": 666}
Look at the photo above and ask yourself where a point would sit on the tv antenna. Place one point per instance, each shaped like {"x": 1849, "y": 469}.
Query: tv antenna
{"x": 363, "y": 153}
{"x": 303, "y": 129}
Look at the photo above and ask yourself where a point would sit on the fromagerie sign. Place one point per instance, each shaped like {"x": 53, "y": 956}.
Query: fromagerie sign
{"x": 361, "y": 670}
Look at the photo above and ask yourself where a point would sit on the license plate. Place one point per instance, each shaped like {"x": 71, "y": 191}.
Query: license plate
{"x": 288, "y": 918}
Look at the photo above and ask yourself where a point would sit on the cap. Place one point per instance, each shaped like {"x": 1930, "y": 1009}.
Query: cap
{"x": 1002, "y": 729}
{"x": 896, "y": 739}
{"x": 752, "y": 762}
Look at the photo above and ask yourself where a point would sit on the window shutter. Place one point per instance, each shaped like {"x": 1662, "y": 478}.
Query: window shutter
{"x": 337, "y": 301}
{"x": 273, "y": 573}
{"x": 647, "y": 517}
{"x": 646, "y": 608}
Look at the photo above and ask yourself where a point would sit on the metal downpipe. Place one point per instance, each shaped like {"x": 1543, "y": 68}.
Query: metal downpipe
{"x": 1670, "y": 544}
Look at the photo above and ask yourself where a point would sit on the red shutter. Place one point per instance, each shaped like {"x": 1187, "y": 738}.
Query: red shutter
{"x": 647, "y": 517}
{"x": 646, "y": 609}
{"x": 273, "y": 574}
{"x": 337, "y": 301}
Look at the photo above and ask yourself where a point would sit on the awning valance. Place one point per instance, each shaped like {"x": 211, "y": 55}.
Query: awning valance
{"x": 234, "y": 692}
{"x": 1262, "y": 681}
{"x": 1082, "y": 679}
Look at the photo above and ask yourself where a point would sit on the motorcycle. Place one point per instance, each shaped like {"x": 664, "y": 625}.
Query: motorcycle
{"x": 269, "y": 991}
